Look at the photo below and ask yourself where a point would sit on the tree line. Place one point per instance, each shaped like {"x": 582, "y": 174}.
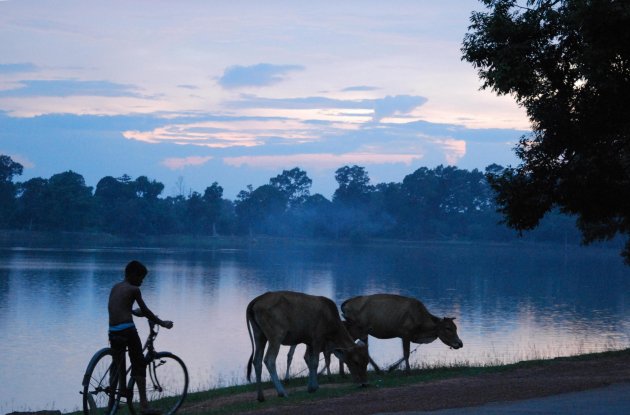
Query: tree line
{"x": 443, "y": 203}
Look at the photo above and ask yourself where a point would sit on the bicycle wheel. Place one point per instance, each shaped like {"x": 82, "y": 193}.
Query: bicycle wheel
{"x": 103, "y": 384}
{"x": 167, "y": 383}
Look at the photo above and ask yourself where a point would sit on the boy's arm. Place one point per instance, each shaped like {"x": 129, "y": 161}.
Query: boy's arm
{"x": 149, "y": 314}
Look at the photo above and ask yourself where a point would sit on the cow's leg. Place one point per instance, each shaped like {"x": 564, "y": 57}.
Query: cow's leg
{"x": 260, "y": 342}
{"x": 327, "y": 363}
{"x": 270, "y": 363}
{"x": 342, "y": 372}
{"x": 311, "y": 357}
{"x": 406, "y": 347}
{"x": 289, "y": 360}
{"x": 372, "y": 362}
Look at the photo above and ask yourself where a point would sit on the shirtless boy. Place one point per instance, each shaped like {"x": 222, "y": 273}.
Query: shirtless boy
{"x": 123, "y": 332}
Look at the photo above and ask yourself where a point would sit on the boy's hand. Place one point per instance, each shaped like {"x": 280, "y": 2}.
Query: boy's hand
{"x": 168, "y": 324}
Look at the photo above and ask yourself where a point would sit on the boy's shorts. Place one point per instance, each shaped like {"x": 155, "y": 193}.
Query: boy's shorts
{"x": 129, "y": 337}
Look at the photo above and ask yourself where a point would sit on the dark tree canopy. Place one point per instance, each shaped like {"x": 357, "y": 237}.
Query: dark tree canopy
{"x": 294, "y": 183}
{"x": 354, "y": 185}
{"x": 567, "y": 62}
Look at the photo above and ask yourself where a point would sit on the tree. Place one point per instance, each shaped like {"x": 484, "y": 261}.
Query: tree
{"x": 259, "y": 210}
{"x": 70, "y": 201}
{"x": 147, "y": 189}
{"x": 8, "y": 169}
{"x": 213, "y": 199}
{"x": 354, "y": 185}
{"x": 34, "y": 204}
{"x": 567, "y": 62}
{"x": 294, "y": 183}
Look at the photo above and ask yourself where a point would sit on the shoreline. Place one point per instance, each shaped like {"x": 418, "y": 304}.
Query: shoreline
{"x": 95, "y": 240}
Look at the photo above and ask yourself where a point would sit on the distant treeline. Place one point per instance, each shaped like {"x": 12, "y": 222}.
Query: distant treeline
{"x": 444, "y": 203}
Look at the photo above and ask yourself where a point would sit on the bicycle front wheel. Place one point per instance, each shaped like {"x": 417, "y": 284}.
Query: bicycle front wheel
{"x": 167, "y": 383}
{"x": 103, "y": 383}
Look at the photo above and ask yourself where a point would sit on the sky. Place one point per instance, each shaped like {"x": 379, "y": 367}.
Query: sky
{"x": 193, "y": 92}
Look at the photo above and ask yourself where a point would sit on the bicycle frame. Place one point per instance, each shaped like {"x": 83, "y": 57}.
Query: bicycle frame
{"x": 149, "y": 351}
{"x": 123, "y": 381}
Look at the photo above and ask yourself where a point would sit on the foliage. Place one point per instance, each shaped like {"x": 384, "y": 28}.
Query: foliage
{"x": 443, "y": 203}
{"x": 567, "y": 62}
{"x": 8, "y": 169}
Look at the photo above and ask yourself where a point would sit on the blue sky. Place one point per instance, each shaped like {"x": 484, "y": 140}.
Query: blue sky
{"x": 193, "y": 92}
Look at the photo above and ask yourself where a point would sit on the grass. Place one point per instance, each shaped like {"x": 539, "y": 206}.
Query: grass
{"x": 337, "y": 386}
{"x": 344, "y": 386}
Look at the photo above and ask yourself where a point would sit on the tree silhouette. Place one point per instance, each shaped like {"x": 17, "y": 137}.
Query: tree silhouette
{"x": 568, "y": 64}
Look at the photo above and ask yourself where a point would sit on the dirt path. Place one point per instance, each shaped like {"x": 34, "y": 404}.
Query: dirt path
{"x": 522, "y": 383}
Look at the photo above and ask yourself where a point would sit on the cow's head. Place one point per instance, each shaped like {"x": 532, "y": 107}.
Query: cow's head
{"x": 357, "y": 359}
{"x": 447, "y": 332}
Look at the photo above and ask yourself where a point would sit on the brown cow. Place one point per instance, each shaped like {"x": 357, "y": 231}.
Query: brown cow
{"x": 327, "y": 354}
{"x": 386, "y": 316}
{"x": 290, "y": 318}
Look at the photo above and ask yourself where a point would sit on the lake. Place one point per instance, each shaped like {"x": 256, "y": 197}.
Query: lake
{"x": 511, "y": 302}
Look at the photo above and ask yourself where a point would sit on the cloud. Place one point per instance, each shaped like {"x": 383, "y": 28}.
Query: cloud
{"x": 9, "y": 68}
{"x": 360, "y": 88}
{"x": 454, "y": 150}
{"x": 321, "y": 160}
{"x": 253, "y": 101}
{"x": 396, "y": 105}
{"x": 178, "y": 163}
{"x": 69, "y": 87}
{"x": 381, "y": 107}
{"x": 186, "y": 86}
{"x": 229, "y": 133}
{"x": 262, "y": 74}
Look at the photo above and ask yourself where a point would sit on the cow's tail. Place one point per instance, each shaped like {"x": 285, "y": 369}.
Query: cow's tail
{"x": 249, "y": 320}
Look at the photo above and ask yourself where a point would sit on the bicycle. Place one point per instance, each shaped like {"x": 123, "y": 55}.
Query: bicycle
{"x": 106, "y": 391}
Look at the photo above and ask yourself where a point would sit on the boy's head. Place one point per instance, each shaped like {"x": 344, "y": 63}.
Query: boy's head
{"x": 135, "y": 272}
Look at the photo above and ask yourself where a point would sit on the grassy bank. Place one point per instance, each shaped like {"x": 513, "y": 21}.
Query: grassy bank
{"x": 338, "y": 386}
{"x": 99, "y": 240}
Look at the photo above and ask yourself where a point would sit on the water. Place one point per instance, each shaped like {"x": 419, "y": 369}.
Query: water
{"x": 511, "y": 303}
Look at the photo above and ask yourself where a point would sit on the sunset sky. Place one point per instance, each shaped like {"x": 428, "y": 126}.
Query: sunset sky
{"x": 198, "y": 91}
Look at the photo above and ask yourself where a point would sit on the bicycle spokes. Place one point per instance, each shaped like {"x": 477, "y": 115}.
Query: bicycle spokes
{"x": 104, "y": 384}
{"x": 167, "y": 382}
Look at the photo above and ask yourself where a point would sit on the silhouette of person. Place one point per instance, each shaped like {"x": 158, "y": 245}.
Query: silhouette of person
{"x": 122, "y": 331}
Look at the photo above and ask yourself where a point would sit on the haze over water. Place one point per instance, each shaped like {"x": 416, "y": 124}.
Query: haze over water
{"x": 511, "y": 303}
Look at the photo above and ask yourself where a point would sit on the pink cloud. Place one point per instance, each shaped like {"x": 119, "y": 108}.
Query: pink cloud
{"x": 320, "y": 161}
{"x": 175, "y": 163}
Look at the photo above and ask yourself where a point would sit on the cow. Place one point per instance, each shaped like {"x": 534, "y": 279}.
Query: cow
{"x": 387, "y": 316}
{"x": 290, "y": 354}
{"x": 327, "y": 354}
{"x": 290, "y": 318}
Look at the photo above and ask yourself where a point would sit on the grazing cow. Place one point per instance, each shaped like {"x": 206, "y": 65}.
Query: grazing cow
{"x": 290, "y": 354}
{"x": 386, "y": 316}
{"x": 327, "y": 354}
{"x": 290, "y": 318}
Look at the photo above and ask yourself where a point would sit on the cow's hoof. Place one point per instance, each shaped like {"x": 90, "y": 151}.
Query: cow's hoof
{"x": 364, "y": 385}
{"x": 283, "y": 395}
{"x": 311, "y": 390}
{"x": 261, "y": 399}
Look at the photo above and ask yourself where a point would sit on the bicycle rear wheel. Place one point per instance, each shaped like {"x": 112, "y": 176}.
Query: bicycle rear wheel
{"x": 167, "y": 383}
{"x": 103, "y": 385}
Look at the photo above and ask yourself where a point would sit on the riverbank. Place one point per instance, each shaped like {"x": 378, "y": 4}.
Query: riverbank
{"x": 96, "y": 240}
{"x": 426, "y": 389}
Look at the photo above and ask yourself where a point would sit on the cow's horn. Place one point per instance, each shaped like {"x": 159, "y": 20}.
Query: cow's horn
{"x": 359, "y": 342}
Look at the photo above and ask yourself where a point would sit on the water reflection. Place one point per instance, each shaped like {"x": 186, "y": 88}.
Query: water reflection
{"x": 511, "y": 303}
